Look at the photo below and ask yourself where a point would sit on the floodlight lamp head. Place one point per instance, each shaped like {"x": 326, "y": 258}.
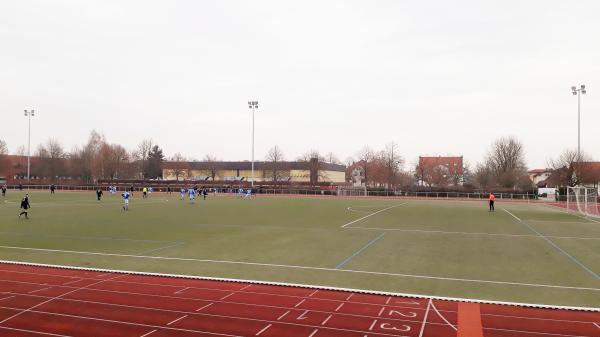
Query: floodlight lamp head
{"x": 583, "y": 87}
{"x": 583, "y": 92}
{"x": 573, "y": 88}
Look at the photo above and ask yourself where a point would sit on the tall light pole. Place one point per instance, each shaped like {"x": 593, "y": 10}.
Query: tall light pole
{"x": 578, "y": 91}
{"x": 253, "y": 105}
{"x": 29, "y": 114}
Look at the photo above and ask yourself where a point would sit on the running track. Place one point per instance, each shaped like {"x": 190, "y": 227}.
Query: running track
{"x": 48, "y": 301}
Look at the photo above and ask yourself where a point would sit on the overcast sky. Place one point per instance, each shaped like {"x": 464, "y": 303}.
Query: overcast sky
{"x": 436, "y": 77}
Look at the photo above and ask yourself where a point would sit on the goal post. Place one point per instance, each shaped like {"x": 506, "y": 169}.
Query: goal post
{"x": 583, "y": 200}
{"x": 352, "y": 191}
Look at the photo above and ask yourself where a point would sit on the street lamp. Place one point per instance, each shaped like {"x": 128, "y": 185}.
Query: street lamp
{"x": 29, "y": 114}
{"x": 578, "y": 92}
{"x": 253, "y": 105}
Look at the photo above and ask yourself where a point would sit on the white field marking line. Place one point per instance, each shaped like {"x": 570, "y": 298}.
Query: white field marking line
{"x": 442, "y": 317}
{"x": 32, "y": 331}
{"x": 425, "y": 318}
{"x": 204, "y": 307}
{"x": 534, "y": 332}
{"x": 188, "y": 330}
{"x": 597, "y": 325}
{"x": 86, "y": 237}
{"x": 372, "y": 325}
{"x": 181, "y": 290}
{"x": 339, "y": 307}
{"x": 388, "y": 300}
{"x": 303, "y": 315}
{"x": 122, "y": 322}
{"x": 283, "y": 315}
{"x": 369, "y": 215}
{"x": 380, "y": 311}
{"x": 226, "y": 296}
{"x": 160, "y": 248}
{"x": 149, "y": 333}
{"x": 264, "y": 329}
{"x": 313, "y": 333}
{"x": 177, "y": 319}
{"x": 306, "y": 286}
{"x": 7, "y": 298}
{"x": 570, "y": 212}
{"x": 299, "y": 303}
{"x": 314, "y": 292}
{"x": 584, "y": 267}
{"x": 292, "y": 267}
{"x": 35, "y": 291}
{"x": 341, "y": 264}
{"x": 245, "y": 287}
{"x": 472, "y": 233}
{"x": 21, "y": 311}
{"x": 327, "y": 319}
{"x": 348, "y": 298}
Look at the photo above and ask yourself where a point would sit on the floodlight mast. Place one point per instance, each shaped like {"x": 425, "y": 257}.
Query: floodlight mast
{"x": 252, "y": 105}
{"x": 29, "y": 114}
{"x": 578, "y": 91}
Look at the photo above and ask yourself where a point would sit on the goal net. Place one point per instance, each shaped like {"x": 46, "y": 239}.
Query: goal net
{"x": 352, "y": 191}
{"x": 583, "y": 200}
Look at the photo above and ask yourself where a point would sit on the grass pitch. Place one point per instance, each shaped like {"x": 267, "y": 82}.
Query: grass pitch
{"x": 523, "y": 252}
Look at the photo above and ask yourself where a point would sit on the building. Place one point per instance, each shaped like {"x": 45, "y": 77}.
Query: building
{"x": 313, "y": 171}
{"x": 587, "y": 173}
{"x": 440, "y": 171}
{"x": 539, "y": 177}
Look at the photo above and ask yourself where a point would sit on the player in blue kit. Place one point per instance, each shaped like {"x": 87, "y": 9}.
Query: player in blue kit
{"x": 125, "y": 197}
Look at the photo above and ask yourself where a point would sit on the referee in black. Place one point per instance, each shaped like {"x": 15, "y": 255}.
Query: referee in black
{"x": 25, "y": 206}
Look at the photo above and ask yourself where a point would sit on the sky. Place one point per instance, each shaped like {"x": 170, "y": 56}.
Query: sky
{"x": 436, "y": 77}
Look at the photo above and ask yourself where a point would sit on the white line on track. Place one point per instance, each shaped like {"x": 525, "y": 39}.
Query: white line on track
{"x": 264, "y": 329}
{"x": 442, "y": 317}
{"x": 380, "y": 311}
{"x": 425, "y": 319}
{"x": 349, "y": 297}
{"x": 283, "y": 315}
{"x": 339, "y": 307}
{"x": 597, "y": 325}
{"x": 313, "y": 293}
{"x": 33, "y": 331}
{"x": 369, "y": 215}
{"x": 177, "y": 320}
{"x": 74, "y": 281}
{"x": 313, "y": 333}
{"x": 204, "y": 307}
{"x": 302, "y": 315}
{"x": 226, "y": 296}
{"x": 299, "y": 303}
{"x": 293, "y": 267}
{"x": 245, "y": 287}
{"x": 388, "y": 300}
{"x": 38, "y": 290}
{"x": 7, "y": 298}
{"x": 372, "y": 325}
{"x": 571, "y": 257}
{"x": 149, "y": 333}
{"x": 326, "y": 319}
{"x": 181, "y": 290}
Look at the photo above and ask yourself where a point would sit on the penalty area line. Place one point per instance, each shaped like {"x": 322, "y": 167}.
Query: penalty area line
{"x": 369, "y": 215}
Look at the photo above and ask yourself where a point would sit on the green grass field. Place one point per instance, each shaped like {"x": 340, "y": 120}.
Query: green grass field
{"x": 534, "y": 254}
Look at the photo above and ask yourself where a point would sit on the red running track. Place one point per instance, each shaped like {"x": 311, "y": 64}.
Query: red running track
{"x": 46, "y": 301}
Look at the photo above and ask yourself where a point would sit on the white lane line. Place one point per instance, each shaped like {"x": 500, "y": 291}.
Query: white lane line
{"x": 74, "y": 281}
{"x": 372, "y": 325}
{"x": 326, "y": 320}
{"x": 369, "y": 215}
{"x": 37, "y": 290}
{"x": 54, "y": 298}
{"x": 149, "y": 333}
{"x": 181, "y": 290}
{"x": 425, "y": 319}
{"x": 313, "y": 293}
{"x": 226, "y": 296}
{"x": 264, "y": 329}
{"x": 177, "y": 320}
{"x": 339, "y": 307}
{"x": 245, "y": 287}
{"x": 349, "y": 296}
{"x": 313, "y": 333}
{"x": 550, "y": 242}
{"x": 299, "y": 303}
{"x": 597, "y": 325}
{"x": 388, "y": 300}
{"x": 303, "y": 315}
{"x": 442, "y": 317}
{"x": 380, "y": 311}
{"x": 33, "y": 331}
{"x": 204, "y": 307}
{"x": 282, "y": 316}
{"x": 7, "y": 298}
{"x": 292, "y": 267}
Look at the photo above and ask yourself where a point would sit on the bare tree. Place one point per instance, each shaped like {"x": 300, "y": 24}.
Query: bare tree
{"x": 365, "y": 156}
{"x": 180, "y": 165}
{"x": 274, "y": 158}
{"x": 330, "y": 157}
{"x": 141, "y": 155}
{"x": 3, "y": 148}
{"x": 3, "y": 156}
{"x": 507, "y": 160}
{"x": 212, "y": 165}
{"x": 115, "y": 158}
{"x": 563, "y": 166}
{"x": 52, "y": 156}
{"x": 392, "y": 162}
{"x": 484, "y": 176}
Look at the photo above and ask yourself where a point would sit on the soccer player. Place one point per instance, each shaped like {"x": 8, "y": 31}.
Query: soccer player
{"x": 205, "y": 193}
{"x": 491, "y": 202}
{"x": 52, "y": 188}
{"x": 99, "y": 193}
{"x": 4, "y": 190}
{"x": 248, "y": 194}
{"x": 182, "y": 194}
{"x": 125, "y": 197}
{"x": 192, "y": 194}
{"x": 25, "y": 206}
{"x": 145, "y": 192}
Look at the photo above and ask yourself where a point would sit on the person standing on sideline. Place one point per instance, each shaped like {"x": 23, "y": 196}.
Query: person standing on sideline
{"x": 99, "y": 193}
{"x": 25, "y": 206}
{"x": 491, "y": 202}
{"x": 52, "y": 188}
